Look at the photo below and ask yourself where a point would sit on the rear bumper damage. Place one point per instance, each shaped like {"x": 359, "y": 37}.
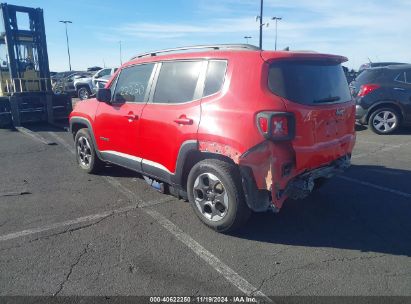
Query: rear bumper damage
{"x": 269, "y": 176}
{"x": 302, "y": 185}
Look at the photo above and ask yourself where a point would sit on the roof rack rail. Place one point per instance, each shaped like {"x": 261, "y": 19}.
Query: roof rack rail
{"x": 199, "y": 47}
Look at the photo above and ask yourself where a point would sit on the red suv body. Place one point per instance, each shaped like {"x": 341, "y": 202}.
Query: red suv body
{"x": 267, "y": 125}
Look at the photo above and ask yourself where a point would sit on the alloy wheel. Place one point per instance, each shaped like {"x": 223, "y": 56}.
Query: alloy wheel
{"x": 83, "y": 94}
{"x": 84, "y": 151}
{"x": 211, "y": 197}
{"x": 385, "y": 121}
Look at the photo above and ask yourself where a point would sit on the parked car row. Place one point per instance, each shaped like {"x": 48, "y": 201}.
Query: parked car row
{"x": 80, "y": 84}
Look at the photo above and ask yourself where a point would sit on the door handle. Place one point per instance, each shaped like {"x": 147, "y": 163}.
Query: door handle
{"x": 183, "y": 120}
{"x": 399, "y": 89}
{"x": 130, "y": 116}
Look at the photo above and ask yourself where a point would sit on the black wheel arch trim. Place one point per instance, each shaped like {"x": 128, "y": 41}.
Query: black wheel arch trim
{"x": 85, "y": 121}
{"x": 185, "y": 149}
{"x": 82, "y": 85}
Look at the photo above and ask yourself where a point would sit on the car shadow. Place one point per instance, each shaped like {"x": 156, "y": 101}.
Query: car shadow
{"x": 403, "y": 131}
{"x": 342, "y": 215}
{"x": 116, "y": 171}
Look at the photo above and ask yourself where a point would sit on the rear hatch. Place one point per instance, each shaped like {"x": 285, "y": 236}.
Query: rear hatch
{"x": 315, "y": 90}
{"x": 366, "y": 77}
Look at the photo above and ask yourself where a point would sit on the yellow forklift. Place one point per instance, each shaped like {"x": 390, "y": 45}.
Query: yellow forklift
{"x": 25, "y": 87}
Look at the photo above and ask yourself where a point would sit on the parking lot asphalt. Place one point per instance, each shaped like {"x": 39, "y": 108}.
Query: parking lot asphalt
{"x": 63, "y": 232}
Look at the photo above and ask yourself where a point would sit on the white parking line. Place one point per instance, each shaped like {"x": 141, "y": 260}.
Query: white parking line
{"x": 397, "y": 192}
{"x": 61, "y": 141}
{"x": 370, "y": 142}
{"x": 88, "y": 218}
{"x": 229, "y": 274}
{"x": 34, "y": 136}
{"x": 83, "y": 219}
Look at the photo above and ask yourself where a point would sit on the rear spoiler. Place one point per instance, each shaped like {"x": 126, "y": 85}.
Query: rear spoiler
{"x": 286, "y": 55}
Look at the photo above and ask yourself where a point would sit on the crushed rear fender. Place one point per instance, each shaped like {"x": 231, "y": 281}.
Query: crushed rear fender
{"x": 266, "y": 169}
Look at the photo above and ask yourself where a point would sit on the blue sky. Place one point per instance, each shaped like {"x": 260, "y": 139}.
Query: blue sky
{"x": 358, "y": 29}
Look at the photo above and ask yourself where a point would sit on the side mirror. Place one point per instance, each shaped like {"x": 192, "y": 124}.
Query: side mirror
{"x": 104, "y": 95}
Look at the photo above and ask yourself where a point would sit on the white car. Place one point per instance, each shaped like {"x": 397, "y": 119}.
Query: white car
{"x": 86, "y": 87}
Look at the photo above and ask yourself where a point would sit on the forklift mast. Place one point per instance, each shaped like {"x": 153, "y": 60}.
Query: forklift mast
{"x": 25, "y": 86}
{"x": 16, "y": 37}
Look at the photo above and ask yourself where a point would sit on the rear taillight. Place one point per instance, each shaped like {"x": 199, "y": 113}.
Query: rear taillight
{"x": 366, "y": 89}
{"x": 276, "y": 126}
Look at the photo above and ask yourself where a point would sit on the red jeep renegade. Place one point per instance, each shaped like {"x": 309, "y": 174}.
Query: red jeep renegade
{"x": 230, "y": 127}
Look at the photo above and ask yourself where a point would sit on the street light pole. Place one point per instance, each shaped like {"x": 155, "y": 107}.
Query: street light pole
{"x": 67, "y": 40}
{"x": 261, "y": 23}
{"x": 276, "y": 21}
{"x": 121, "y": 56}
{"x": 247, "y": 37}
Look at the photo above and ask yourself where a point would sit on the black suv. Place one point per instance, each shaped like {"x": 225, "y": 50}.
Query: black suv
{"x": 370, "y": 65}
{"x": 383, "y": 97}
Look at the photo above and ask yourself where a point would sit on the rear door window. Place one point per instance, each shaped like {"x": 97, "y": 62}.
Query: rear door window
{"x": 177, "y": 81}
{"x": 215, "y": 76}
{"x": 309, "y": 82}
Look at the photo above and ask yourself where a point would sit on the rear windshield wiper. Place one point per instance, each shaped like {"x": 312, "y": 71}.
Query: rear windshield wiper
{"x": 327, "y": 99}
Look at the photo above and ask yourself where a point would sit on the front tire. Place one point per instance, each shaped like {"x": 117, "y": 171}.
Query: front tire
{"x": 86, "y": 155}
{"x": 384, "y": 121}
{"x": 216, "y": 195}
{"x": 83, "y": 93}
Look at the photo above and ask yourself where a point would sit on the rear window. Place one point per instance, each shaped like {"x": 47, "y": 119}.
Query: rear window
{"x": 369, "y": 76}
{"x": 309, "y": 82}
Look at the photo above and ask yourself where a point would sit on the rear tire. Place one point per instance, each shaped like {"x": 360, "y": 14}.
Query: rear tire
{"x": 215, "y": 192}
{"x": 86, "y": 155}
{"x": 384, "y": 121}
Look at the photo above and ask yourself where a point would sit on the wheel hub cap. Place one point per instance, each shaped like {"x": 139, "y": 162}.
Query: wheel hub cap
{"x": 84, "y": 151}
{"x": 210, "y": 197}
{"x": 83, "y": 94}
{"x": 385, "y": 121}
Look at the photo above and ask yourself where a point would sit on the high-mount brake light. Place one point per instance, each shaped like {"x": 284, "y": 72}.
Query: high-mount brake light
{"x": 277, "y": 126}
